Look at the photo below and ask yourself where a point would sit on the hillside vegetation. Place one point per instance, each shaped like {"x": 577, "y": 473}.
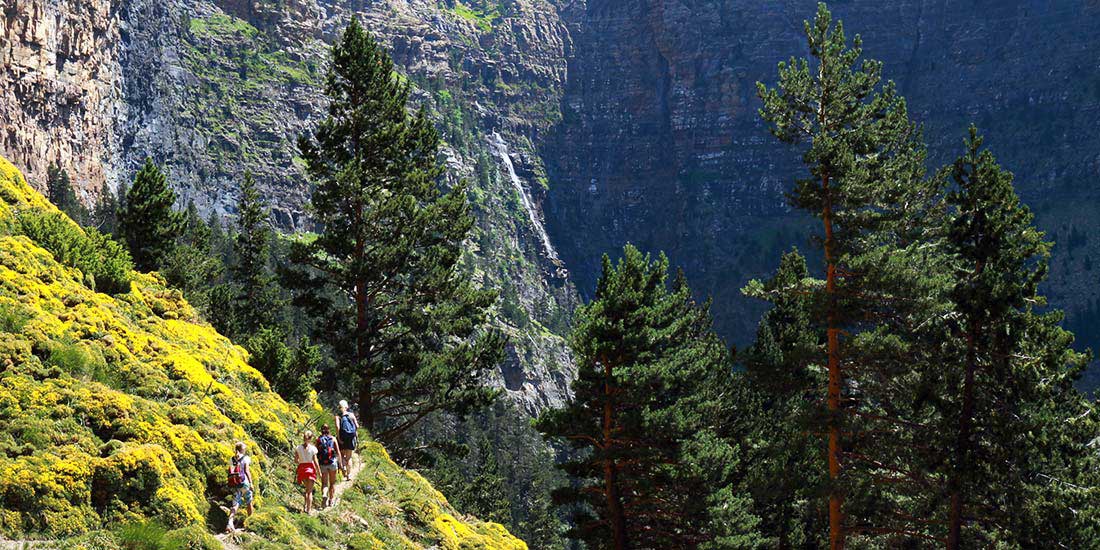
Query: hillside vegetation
{"x": 122, "y": 410}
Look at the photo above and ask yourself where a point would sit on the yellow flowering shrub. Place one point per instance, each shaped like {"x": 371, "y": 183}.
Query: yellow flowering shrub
{"x": 124, "y": 409}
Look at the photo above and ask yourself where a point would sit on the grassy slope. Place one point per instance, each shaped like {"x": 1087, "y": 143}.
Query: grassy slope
{"x": 116, "y": 410}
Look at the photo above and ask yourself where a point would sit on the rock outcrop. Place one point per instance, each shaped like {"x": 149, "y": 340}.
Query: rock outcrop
{"x": 60, "y": 91}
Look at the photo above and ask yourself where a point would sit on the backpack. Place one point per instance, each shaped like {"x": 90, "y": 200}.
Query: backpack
{"x": 346, "y": 425}
{"x": 235, "y": 479}
{"x": 326, "y": 447}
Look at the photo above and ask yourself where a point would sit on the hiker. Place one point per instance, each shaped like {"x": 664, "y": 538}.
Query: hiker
{"x": 306, "y": 455}
{"x": 240, "y": 480}
{"x": 328, "y": 456}
{"x": 349, "y": 430}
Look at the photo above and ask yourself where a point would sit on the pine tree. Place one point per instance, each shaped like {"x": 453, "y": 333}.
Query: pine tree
{"x": 291, "y": 369}
{"x": 412, "y": 334}
{"x": 783, "y": 368}
{"x": 105, "y": 214}
{"x": 147, "y": 221}
{"x": 866, "y": 184}
{"x": 1006, "y": 406}
{"x": 651, "y": 379}
{"x": 59, "y": 189}
{"x": 257, "y": 302}
{"x": 189, "y": 264}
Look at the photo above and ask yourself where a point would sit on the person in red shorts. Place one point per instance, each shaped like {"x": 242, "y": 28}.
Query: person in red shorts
{"x": 306, "y": 455}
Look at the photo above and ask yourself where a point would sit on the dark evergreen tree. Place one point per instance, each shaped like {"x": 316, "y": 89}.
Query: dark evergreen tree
{"x": 494, "y": 464}
{"x": 380, "y": 278}
{"x": 866, "y": 184}
{"x": 257, "y": 302}
{"x": 189, "y": 264}
{"x": 1008, "y": 407}
{"x": 291, "y": 369}
{"x": 147, "y": 221}
{"x": 489, "y": 495}
{"x": 105, "y": 214}
{"x": 59, "y": 189}
{"x": 648, "y": 468}
{"x": 783, "y": 368}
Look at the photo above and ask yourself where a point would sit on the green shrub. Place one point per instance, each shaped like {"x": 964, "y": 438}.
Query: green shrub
{"x": 273, "y": 524}
{"x": 97, "y": 540}
{"x": 12, "y": 318}
{"x": 113, "y": 268}
{"x": 74, "y": 359}
{"x": 145, "y": 535}
{"x": 105, "y": 263}
{"x": 191, "y": 538}
{"x": 292, "y": 371}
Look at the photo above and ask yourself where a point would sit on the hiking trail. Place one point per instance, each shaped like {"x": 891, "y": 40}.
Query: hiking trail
{"x": 230, "y": 541}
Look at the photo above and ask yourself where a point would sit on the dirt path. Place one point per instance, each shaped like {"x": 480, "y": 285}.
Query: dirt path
{"x": 230, "y": 541}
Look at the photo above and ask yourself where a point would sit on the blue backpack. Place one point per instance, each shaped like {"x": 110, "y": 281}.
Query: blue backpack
{"x": 346, "y": 425}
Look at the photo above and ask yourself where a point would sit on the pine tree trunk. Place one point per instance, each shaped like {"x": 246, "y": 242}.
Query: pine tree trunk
{"x": 962, "y": 444}
{"x": 362, "y": 351}
{"x": 362, "y": 344}
{"x": 836, "y": 526}
{"x": 611, "y": 485}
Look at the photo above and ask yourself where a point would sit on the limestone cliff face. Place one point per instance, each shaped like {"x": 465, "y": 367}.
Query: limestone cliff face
{"x": 60, "y": 88}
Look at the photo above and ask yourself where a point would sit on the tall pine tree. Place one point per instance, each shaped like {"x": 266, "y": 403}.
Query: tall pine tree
{"x": 189, "y": 264}
{"x": 257, "y": 301}
{"x": 866, "y": 184}
{"x": 147, "y": 221}
{"x": 648, "y": 464}
{"x": 783, "y": 366}
{"x": 104, "y": 215}
{"x": 408, "y": 330}
{"x": 1007, "y": 405}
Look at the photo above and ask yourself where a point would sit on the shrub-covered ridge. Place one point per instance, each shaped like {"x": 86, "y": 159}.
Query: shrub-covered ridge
{"x": 119, "y": 410}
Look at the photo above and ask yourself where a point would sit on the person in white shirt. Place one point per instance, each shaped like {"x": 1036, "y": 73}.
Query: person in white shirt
{"x": 306, "y": 456}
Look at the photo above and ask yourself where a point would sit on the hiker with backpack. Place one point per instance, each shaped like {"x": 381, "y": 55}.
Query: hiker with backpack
{"x": 349, "y": 436}
{"x": 328, "y": 456}
{"x": 306, "y": 473}
{"x": 240, "y": 481}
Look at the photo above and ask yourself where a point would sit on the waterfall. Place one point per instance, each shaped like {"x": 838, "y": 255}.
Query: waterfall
{"x": 500, "y": 148}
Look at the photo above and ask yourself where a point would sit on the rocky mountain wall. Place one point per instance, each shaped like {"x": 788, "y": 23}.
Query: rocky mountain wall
{"x": 60, "y": 88}
{"x": 211, "y": 88}
{"x": 661, "y": 143}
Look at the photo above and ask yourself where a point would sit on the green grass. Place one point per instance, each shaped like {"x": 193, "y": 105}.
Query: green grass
{"x": 220, "y": 25}
{"x": 484, "y": 16}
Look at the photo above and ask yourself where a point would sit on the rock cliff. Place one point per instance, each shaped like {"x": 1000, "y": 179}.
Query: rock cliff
{"x": 661, "y": 143}
{"x": 60, "y": 89}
